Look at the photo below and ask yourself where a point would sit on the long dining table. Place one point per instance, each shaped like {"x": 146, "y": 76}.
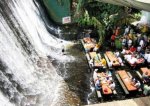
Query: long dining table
{"x": 105, "y": 83}
{"x": 126, "y": 80}
{"x": 112, "y": 58}
{"x": 97, "y": 59}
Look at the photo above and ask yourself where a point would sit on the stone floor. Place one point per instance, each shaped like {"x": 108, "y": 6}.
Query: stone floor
{"x": 143, "y": 101}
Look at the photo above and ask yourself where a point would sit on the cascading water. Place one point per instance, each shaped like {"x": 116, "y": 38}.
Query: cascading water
{"x": 27, "y": 76}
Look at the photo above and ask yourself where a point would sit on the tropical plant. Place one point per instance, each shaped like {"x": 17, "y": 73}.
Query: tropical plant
{"x": 100, "y": 15}
{"x": 86, "y": 20}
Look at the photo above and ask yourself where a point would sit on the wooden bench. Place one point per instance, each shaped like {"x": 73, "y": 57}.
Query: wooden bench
{"x": 82, "y": 42}
{"x": 90, "y": 65}
{"x": 138, "y": 73}
{"x": 129, "y": 74}
{"x": 121, "y": 83}
{"x": 99, "y": 95}
{"x": 87, "y": 56}
{"x": 114, "y": 92}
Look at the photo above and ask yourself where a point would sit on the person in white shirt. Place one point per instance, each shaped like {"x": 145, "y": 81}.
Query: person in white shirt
{"x": 98, "y": 84}
{"x": 110, "y": 64}
{"x": 146, "y": 55}
{"x": 127, "y": 57}
{"x": 120, "y": 61}
{"x": 112, "y": 85}
{"x": 133, "y": 60}
{"x": 117, "y": 53}
{"x": 123, "y": 50}
{"x": 137, "y": 84}
{"x": 148, "y": 59}
{"x": 91, "y": 62}
{"x": 126, "y": 32}
{"x": 141, "y": 43}
{"x": 124, "y": 41}
{"x": 129, "y": 42}
{"x": 139, "y": 48}
{"x": 96, "y": 47}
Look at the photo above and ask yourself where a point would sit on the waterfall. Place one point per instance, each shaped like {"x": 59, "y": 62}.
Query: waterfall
{"x": 27, "y": 76}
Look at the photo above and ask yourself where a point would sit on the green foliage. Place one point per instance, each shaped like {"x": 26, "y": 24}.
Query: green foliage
{"x": 137, "y": 16}
{"x": 86, "y": 20}
{"x": 100, "y": 15}
{"x": 79, "y": 9}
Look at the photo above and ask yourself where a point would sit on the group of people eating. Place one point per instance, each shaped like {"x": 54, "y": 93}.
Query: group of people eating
{"x": 104, "y": 82}
{"x": 135, "y": 50}
{"x": 135, "y": 43}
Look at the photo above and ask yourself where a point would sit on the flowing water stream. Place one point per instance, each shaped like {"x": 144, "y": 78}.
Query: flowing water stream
{"x": 33, "y": 71}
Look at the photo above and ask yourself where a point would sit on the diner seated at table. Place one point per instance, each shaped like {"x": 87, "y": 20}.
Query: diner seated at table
{"x": 139, "y": 48}
{"x": 147, "y": 56}
{"x": 91, "y": 61}
{"x": 120, "y": 61}
{"x": 133, "y": 80}
{"x": 132, "y": 49}
{"x": 145, "y": 77}
{"x": 137, "y": 84}
{"x": 110, "y": 64}
{"x": 97, "y": 46}
{"x": 133, "y": 60}
{"x": 116, "y": 53}
{"x": 123, "y": 51}
{"x": 106, "y": 77}
{"x": 98, "y": 83}
{"x": 148, "y": 59}
{"x": 112, "y": 85}
{"x": 127, "y": 57}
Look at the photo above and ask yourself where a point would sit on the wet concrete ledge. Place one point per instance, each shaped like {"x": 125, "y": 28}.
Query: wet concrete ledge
{"x": 143, "y": 101}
